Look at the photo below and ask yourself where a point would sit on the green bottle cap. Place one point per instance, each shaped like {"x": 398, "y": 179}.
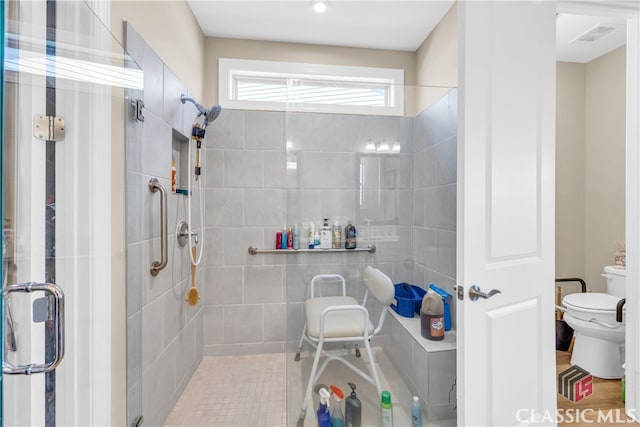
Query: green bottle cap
{"x": 386, "y": 397}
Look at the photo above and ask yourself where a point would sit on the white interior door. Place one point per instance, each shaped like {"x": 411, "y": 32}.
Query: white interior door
{"x": 506, "y": 155}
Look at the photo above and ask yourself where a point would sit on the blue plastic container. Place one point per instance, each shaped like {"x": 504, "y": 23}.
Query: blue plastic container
{"x": 408, "y": 299}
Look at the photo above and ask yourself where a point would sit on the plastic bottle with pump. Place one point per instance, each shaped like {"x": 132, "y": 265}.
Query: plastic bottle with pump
{"x": 416, "y": 412}
{"x": 353, "y": 409}
{"x": 337, "y": 419}
{"x": 432, "y": 316}
{"x": 386, "y": 409}
{"x": 324, "y": 417}
{"x": 325, "y": 235}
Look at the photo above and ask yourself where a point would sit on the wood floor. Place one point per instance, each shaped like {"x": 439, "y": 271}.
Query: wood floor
{"x": 603, "y": 408}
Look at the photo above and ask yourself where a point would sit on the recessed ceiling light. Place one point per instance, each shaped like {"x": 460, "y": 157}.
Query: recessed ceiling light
{"x": 319, "y": 6}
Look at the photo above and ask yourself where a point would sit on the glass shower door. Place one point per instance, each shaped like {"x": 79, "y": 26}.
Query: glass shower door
{"x": 62, "y": 247}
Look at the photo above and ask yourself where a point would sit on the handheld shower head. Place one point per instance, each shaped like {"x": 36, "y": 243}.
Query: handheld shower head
{"x": 210, "y": 114}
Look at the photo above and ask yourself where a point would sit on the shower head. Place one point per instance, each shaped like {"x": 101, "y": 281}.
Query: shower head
{"x": 210, "y": 114}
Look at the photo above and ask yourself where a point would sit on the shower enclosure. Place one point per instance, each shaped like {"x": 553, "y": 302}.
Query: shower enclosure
{"x": 63, "y": 156}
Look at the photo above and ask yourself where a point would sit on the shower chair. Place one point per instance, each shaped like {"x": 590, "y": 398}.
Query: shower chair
{"x": 341, "y": 318}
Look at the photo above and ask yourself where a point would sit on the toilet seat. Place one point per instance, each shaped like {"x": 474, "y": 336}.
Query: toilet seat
{"x": 591, "y": 302}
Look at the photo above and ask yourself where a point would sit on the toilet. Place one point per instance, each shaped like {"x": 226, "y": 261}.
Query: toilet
{"x": 599, "y": 338}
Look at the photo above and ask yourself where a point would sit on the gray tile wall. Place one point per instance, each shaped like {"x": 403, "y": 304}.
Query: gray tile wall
{"x": 277, "y": 168}
{"x": 434, "y": 195}
{"x": 164, "y": 334}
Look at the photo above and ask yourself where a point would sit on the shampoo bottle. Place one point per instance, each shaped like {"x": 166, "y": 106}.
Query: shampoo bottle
{"x": 337, "y": 419}
{"x": 296, "y": 237}
{"x": 416, "y": 413}
{"x": 312, "y": 235}
{"x": 353, "y": 409}
{"x": 173, "y": 176}
{"x": 386, "y": 409}
{"x": 325, "y": 235}
{"x": 350, "y": 236}
{"x": 284, "y": 238}
{"x": 324, "y": 417}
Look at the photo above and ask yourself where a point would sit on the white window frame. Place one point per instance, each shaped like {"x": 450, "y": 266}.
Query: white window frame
{"x": 229, "y": 69}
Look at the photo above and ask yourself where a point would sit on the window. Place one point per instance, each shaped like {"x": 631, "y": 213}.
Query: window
{"x": 280, "y": 86}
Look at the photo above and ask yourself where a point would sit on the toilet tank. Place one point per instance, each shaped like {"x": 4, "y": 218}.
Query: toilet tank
{"x": 616, "y": 280}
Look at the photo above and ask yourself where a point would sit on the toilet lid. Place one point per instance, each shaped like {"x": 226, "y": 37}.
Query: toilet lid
{"x": 592, "y": 301}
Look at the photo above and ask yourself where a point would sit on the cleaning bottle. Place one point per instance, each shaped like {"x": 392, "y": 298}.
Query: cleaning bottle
{"x": 324, "y": 417}
{"x": 416, "y": 413}
{"x": 386, "y": 409}
{"x": 337, "y": 419}
{"x": 325, "y": 235}
{"x": 432, "y": 316}
{"x": 350, "y": 236}
{"x": 353, "y": 409}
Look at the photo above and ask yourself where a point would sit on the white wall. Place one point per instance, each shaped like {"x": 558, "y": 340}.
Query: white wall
{"x": 570, "y": 174}
{"x": 437, "y": 61}
{"x": 216, "y": 48}
{"x": 172, "y": 31}
{"x": 590, "y": 149}
{"x": 605, "y": 123}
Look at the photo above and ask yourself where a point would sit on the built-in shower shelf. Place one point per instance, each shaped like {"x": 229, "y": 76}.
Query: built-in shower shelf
{"x": 255, "y": 251}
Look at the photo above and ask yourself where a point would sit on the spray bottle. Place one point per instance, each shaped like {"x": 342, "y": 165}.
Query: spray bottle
{"x": 386, "y": 409}
{"x": 324, "y": 417}
{"x": 353, "y": 408}
{"x": 337, "y": 419}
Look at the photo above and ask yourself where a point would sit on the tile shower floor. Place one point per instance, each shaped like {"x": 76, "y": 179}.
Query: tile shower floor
{"x": 267, "y": 390}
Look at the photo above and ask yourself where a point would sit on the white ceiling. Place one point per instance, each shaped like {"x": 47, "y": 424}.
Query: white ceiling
{"x": 378, "y": 24}
{"x": 396, "y": 25}
{"x": 569, "y": 27}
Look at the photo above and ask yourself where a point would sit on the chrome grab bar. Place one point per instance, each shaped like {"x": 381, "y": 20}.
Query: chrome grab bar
{"x": 606, "y": 325}
{"x": 58, "y": 336}
{"x": 156, "y": 266}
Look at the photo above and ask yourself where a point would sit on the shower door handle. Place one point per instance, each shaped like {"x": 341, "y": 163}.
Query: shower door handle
{"x": 56, "y": 302}
{"x": 156, "y": 266}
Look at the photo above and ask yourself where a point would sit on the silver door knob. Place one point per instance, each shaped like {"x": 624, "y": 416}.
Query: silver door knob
{"x": 475, "y": 293}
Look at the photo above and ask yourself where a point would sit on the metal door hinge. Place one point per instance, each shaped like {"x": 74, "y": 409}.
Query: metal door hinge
{"x": 460, "y": 291}
{"x": 48, "y": 128}
{"x": 139, "y": 105}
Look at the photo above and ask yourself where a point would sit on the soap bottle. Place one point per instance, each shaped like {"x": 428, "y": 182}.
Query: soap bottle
{"x": 337, "y": 419}
{"x": 325, "y": 235}
{"x": 350, "y": 236}
{"x": 386, "y": 409}
{"x": 296, "y": 237}
{"x": 316, "y": 237}
{"x": 324, "y": 417}
{"x": 312, "y": 235}
{"x": 173, "y": 176}
{"x": 416, "y": 412}
{"x": 432, "y": 316}
{"x": 353, "y": 409}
